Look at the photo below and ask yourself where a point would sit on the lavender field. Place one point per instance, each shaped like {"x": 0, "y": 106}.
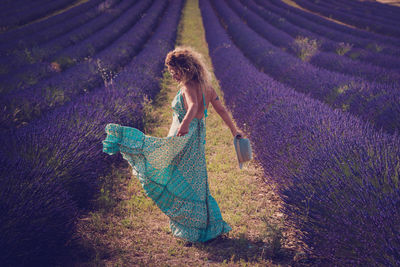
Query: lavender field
{"x": 51, "y": 129}
{"x": 319, "y": 100}
{"x": 322, "y": 128}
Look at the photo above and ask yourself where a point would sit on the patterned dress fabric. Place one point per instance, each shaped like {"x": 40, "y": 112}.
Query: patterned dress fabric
{"x": 172, "y": 171}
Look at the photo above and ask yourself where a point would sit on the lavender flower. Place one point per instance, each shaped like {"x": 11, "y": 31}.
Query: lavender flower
{"x": 337, "y": 176}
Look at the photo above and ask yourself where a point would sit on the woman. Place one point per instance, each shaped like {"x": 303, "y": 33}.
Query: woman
{"x": 172, "y": 170}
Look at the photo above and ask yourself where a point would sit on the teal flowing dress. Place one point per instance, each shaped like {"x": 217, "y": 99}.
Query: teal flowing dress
{"x": 173, "y": 173}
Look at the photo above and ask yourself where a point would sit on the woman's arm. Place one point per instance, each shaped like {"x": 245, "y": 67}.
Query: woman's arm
{"x": 220, "y": 109}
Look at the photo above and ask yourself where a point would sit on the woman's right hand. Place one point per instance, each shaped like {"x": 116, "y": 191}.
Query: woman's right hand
{"x": 238, "y": 134}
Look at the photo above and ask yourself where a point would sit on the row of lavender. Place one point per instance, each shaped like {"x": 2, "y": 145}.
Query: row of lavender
{"x": 371, "y": 24}
{"x": 338, "y": 177}
{"x": 64, "y": 54}
{"x": 33, "y": 101}
{"x": 361, "y": 38}
{"x": 309, "y": 51}
{"x": 50, "y": 169}
{"x": 325, "y": 38}
{"x": 53, "y": 26}
{"x": 31, "y": 11}
{"x": 378, "y": 103}
{"x": 374, "y": 7}
{"x": 382, "y": 13}
{"x": 21, "y": 32}
{"x": 18, "y": 6}
{"x": 18, "y": 64}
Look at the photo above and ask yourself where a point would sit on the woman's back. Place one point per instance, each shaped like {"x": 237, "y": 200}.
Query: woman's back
{"x": 210, "y": 96}
{"x": 208, "y": 93}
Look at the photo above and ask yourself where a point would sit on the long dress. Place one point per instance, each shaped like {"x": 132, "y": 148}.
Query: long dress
{"x": 173, "y": 173}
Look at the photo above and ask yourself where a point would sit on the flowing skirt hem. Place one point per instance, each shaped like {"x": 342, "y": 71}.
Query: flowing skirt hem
{"x": 198, "y": 234}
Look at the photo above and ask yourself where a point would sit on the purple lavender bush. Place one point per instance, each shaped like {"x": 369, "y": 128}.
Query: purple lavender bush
{"x": 33, "y": 12}
{"x": 363, "y": 39}
{"x": 37, "y": 216}
{"x": 338, "y": 90}
{"x": 15, "y": 8}
{"x": 66, "y": 149}
{"x": 32, "y": 102}
{"x": 10, "y": 6}
{"x": 39, "y": 48}
{"x": 337, "y": 176}
{"x": 77, "y": 15}
{"x": 72, "y": 17}
{"x": 356, "y": 197}
{"x": 306, "y": 50}
{"x": 362, "y": 23}
{"x": 381, "y": 15}
{"x": 29, "y": 74}
{"x": 377, "y": 8}
{"x": 295, "y": 25}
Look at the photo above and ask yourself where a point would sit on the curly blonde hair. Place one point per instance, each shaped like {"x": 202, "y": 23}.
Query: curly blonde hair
{"x": 189, "y": 64}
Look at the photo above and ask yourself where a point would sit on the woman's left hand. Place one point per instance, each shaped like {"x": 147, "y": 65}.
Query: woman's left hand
{"x": 183, "y": 129}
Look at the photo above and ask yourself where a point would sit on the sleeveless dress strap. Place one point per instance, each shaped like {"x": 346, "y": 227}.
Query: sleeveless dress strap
{"x": 205, "y": 112}
{"x": 205, "y": 109}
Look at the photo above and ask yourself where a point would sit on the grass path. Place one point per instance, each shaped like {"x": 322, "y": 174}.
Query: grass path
{"x": 294, "y": 4}
{"x": 390, "y": 2}
{"x": 128, "y": 229}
